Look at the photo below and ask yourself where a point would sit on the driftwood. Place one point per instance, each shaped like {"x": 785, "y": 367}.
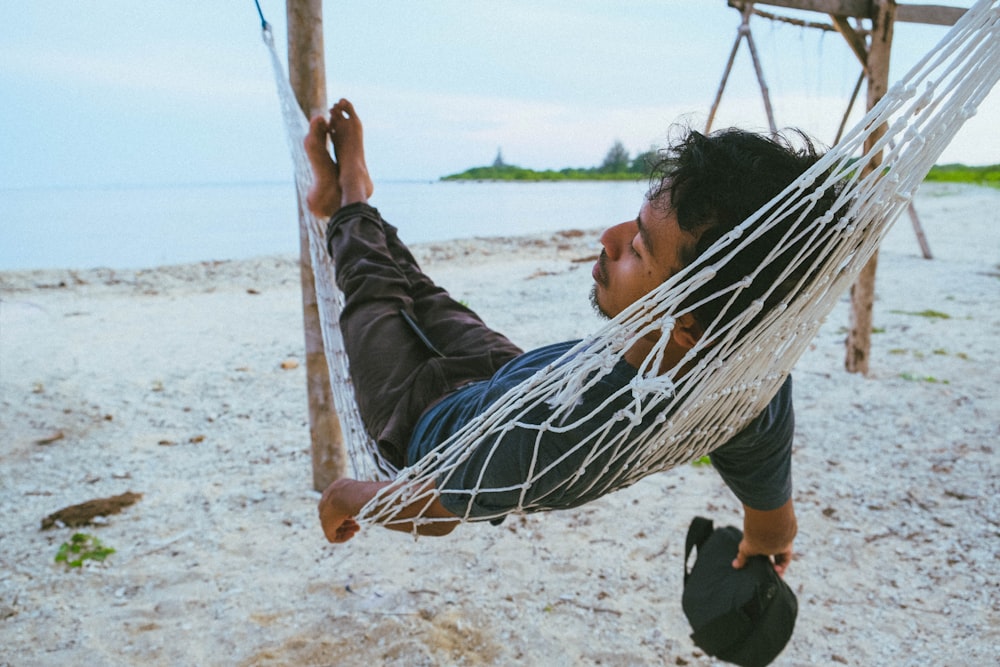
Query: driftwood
{"x": 84, "y": 513}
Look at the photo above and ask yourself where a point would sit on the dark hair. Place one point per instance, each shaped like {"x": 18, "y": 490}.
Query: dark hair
{"x": 714, "y": 183}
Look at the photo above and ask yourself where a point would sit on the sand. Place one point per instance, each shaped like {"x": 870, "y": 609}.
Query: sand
{"x": 185, "y": 384}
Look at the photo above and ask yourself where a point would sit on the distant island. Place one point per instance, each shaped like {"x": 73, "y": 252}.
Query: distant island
{"x": 960, "y": 173}
{"x": 617, "y": 166}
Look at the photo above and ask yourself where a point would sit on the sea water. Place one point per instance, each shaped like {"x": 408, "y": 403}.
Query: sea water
{"x": 146, "y": 226}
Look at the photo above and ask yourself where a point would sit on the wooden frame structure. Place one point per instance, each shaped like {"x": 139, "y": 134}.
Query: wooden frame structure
{"x": 872, "y": 46}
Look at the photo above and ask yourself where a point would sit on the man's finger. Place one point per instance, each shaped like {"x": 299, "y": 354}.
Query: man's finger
{"x": 781, "y": 563}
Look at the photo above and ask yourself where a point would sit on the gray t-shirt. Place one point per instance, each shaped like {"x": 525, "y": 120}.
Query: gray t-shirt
{"x": 755, "y": 464}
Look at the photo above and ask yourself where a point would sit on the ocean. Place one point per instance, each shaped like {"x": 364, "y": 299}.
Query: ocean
{"x": 146, "y": 226}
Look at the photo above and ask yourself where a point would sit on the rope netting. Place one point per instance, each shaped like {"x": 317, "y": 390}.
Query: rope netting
{"x": 667, "y": 417}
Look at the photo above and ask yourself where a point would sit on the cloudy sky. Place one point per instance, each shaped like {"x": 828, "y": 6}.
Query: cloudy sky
{"x": 108, "y": 92}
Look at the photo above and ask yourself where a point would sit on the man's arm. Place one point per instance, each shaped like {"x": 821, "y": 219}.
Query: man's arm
{"x": 768, "y": 533}
{"x": 344, "y": 498}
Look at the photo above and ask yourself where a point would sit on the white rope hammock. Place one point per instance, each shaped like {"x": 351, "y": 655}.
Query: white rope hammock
{"x": 673, "y": 417}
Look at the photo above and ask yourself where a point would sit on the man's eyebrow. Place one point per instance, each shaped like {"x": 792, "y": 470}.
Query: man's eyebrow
{"x": 647, "y": 238}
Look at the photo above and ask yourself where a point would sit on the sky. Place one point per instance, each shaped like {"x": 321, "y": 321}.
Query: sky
{"x": 121, "y": 92}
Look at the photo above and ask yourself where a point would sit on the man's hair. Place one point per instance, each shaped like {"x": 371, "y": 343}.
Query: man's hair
{"x": 714, "y": 183}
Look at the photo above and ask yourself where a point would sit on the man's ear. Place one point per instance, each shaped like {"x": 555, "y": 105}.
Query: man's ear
{"x": 687, "y": 331}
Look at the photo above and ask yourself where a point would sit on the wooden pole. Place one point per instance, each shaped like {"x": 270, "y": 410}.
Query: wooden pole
{"x": 850, "y": 107}
{"x": 307, "y": 74}
{"x": 863, "y": 290}
{"x": 760, "y": 72}
{"x": 925, "y": 247}
{"x": 725, "y": 78}
{"x": 746, "y": 11}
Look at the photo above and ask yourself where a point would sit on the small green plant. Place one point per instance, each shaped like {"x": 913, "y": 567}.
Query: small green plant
{"x": 702, "y": 461}
{"x": 940, "y": 352}
{"x": 910, "y": 377}
{"x": 930, "y": 314}
{"x": 875, "y": 330}
{"x": 82, "y": 547}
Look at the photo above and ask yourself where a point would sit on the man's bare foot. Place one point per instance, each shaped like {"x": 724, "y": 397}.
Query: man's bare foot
{"x": 348, "y": 145}
{"x": 338, "y": 520}
{"x": 324, "y": 197}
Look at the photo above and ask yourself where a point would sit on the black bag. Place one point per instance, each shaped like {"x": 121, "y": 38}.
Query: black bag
{"x": 741, "y": 616}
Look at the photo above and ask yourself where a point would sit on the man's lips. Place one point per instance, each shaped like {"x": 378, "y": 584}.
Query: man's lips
{"x": 600, "y": 271}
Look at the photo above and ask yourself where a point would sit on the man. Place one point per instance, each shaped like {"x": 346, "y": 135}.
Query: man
{"x": 423, "y": 365}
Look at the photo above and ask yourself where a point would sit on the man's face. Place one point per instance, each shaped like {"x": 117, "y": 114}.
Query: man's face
{"x": 638, "y": 256}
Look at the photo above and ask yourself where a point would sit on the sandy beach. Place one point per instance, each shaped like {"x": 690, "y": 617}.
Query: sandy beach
{"x": 185, "y": 384}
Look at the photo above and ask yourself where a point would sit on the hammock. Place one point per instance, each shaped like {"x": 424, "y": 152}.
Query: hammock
{"x": 744, "y": 356}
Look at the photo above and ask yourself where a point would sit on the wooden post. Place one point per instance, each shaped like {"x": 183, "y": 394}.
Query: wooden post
{"x": 725, "y": 78}
{"x": 759, "y": 71}
{"x": 925, "y": 247}
{"x": 863, "y": 290}
{"x": 307, "y": 74}
{"x": 746, "y": 10}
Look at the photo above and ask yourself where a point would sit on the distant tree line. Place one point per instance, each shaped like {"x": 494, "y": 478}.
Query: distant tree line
{"x": 960, "y": 173}
{"x": 617, "y": 165}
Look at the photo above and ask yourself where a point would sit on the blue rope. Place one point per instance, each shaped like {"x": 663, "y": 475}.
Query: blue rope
{"x": 264, "y": 25}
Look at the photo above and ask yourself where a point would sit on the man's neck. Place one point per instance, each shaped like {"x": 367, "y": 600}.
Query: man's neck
{"x": 672, "y": 355}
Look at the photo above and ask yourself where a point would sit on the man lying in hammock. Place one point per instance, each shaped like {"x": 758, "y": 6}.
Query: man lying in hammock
{"x": 423, "y": 365}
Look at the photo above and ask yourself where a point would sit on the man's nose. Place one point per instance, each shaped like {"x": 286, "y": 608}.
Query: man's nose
{"x": 614, "y": 238}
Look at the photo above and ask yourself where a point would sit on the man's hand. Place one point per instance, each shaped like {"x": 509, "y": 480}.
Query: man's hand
{"x": 768, "y": 533}
{"x": 780, "y": 560}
